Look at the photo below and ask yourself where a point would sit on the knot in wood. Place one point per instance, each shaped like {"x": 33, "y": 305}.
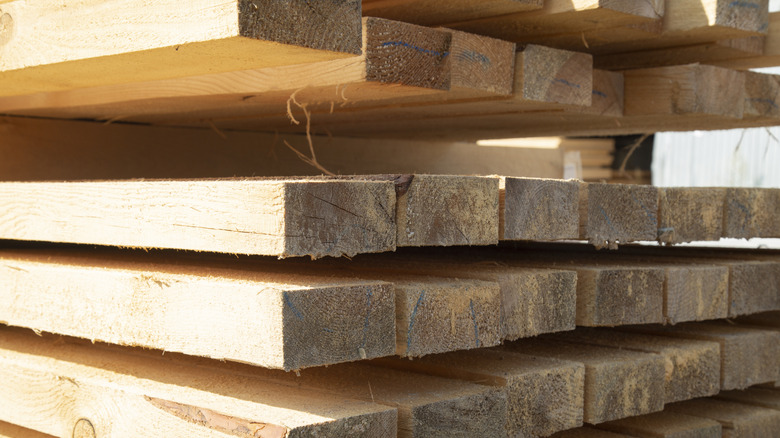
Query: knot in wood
{"x": 83, "y": 429}
{"x": 6, "y": 28}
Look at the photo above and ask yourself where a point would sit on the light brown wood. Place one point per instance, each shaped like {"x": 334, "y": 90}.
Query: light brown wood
{"x": 544, "y": 396}
{"x": 753, "y": 287}
{"x": 587, "y": 432}
{"x": 284, "y": 218}
{"x": 666, "y": 425}
{"x": 437, "y": 12}
{"x": 750, "y": 212}
{"x": 55, "y": 386}
{"x": 618, "y": 383}
{"x": 539, "y": 209}
{"x": 41, "y": 52}
{"x": 738, "y": 420}
{"x": 690, "y": 214}
{"x": 692, "y": 366}
{"x": 771, "y": 54}
{"x": 8, "y": 430}
{"x": 748, "y": 356}
{"x": 764, "y": 397}
{"x": 617, "y": 213}
{"x": 253, "y": 313}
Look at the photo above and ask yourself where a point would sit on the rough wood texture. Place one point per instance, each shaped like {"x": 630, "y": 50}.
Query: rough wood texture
{"x": 447, "y": 210}
{"x": 618, "y": 383}
{"x": 428, "y": 406}
{"x": 544, "y": 396}
{"x": 665, "y": 425}
{"x": 688, "y": 15}
{"x": 690, "y": 214}
{"x": 164, "y": 40}
{"x": 609, "y": 296}
{"x": 548, "y": 75}
{"x": 438, "y": 12}
{"x": 438, "y": 315}
{"x": 284, "y": 218}
{"x": 696, "y": 293}
{"x": 8, "y": 430}
{"x": 692, "y": 366}
{"x": 748, "y": 356}
{"x": 771, "y": 53}
{"x": 617, "y": 213}
{"x": 751, "y": 212}
{"x": 588, "y": 432}
{"x": 55, "y": 386}
{"x": 564, "y": 17}
{"x": 753, "y": 287}
{"x": 539, "y": 209}
{"x": 764, "y": 397}
{"x": 250, "y": 313}
{"x": 738, "y": 420}
{"x": 762, "y": 92}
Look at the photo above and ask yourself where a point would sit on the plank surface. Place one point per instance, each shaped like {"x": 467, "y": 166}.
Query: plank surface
{"x": 437, "y": 12}
{"x": 748, "y": 356}
{"x": 544, "y": 396}
{"x": 617, "y": 213}
{"x": 618, "y": 383}
{"x": 164, "y": 40}
{"x": 692, "y": 366}
{"x": 8, "y": 430}
{"x": 244, "y": 312}
{"x": 690, "y": 214}
{"x": 738, "y": 420}
{"x": 271, "y": 217}
{"x": 666, "y": 425}
{"x": 55, "y": 385}
{"x": 749, "y": 212}
{"x": 539, "y": 209}
{"x": 587, "y": 432}
{"x": 764, "y": 397}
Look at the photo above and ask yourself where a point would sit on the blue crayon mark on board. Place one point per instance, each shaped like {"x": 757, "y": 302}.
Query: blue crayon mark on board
{"x": 600, "y": 93}
{"x": 744, "y": 4}
{"x": 470, "y": 55}
{"x": 769, "y": 102}
{"x": 417, "y": 48}
{"x": 368, "y": 314}
{"x": 411, "y": 321}
{"x": 325, "y": 329}
{"x": 474, "y": 318}
{"x": 565, "y": 82}
{"x": 289, "y": 304}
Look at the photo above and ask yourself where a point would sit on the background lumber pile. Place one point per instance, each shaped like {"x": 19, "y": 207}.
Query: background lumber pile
{"x": 261, "y": 218}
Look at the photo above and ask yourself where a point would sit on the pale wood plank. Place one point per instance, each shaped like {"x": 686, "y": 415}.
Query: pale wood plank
{"x": 690, "y": 214}
{"x": 54, "y": 385}
{"x": 666, "y": 425}
{"x": 437, "y": 12}
{"x": 271, "y": 217}
{"x": 40, "y": 50}
{"x": 249, "y": 312}
{"x": 8, "y": 430}
{"x": 738, "y": 420}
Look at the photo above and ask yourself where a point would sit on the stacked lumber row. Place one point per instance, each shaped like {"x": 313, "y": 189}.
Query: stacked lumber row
{"x": 320, "y": 216}
{"x": 409, "y": 80}
{"x": 603, "y": 378}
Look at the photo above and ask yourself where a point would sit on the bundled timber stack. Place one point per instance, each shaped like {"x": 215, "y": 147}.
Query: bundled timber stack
{"x": 262, "y": 218}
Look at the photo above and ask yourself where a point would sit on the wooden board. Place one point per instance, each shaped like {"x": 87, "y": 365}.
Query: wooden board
{"x": 587, "y": 432}
{"x": 748, "y": 356}
{"x": 427, "y": 405}
{"x": 749, "y": 213}
{"x": 617, "y": 213}
{"x": 248, "y": 312}
{"x": 437, "y": 12}
{"x": 543, "y": 395}
{"x": 8, "y": 430}
{"x": 618, "y": 383}
{"x": 665, "y": 425}
{"x": 753, "y": 287}
{"x": 539, "y": 209}
{"x": 692, "y": 366}
{"x": 690, "y": 214}
{"x": 764, "y": 397}
{"x": 41, "y": 52}
{"x": 285, "y": 218}
{"x": 738, "y": 420}
{"x": 55, "y": 385}
{"x": 771, "y": 53}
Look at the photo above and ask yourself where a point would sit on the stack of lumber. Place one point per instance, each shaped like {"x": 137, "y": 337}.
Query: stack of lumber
{"x": 184, "y": 253}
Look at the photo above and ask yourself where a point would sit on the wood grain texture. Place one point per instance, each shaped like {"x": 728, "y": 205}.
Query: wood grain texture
{"x": 753, "y": 287}
{"x": 540, "y": 209}
{"x": 666, "y": 425}
{"x": 617, "y": 295}
{"x": 749, "y": 212}
{"x": 251, "y": 313}
{"x": 447, "y": 210}
{"x": 692, "y": 366}
{"x": 588, "y": 432}
{"x": 55, "y": 386}
{"x": 147, "y": 41}
{"x": 271, "y": 217}
{"x": 618, "y": 383}
{"x": 438, "y": 12}
{"x": 771, "y": 54}
{"x": 765, "y": 397}
{"x": 544, "y": 396}
{"x": 696, "y": 292}
{"x": 748, "y": 356}
{"x": 617, "y": 213}
{"x": 738, "y": 420}
{"x": 8, "y": 430}
{"x": 690, "y": 214}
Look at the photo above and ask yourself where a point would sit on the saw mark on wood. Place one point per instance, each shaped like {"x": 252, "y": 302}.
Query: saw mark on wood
{"x": 411, "y": 320}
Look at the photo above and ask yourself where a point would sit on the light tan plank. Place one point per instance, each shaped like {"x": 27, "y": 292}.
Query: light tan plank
{"x": 666, "y": 425}
{"x": 738, "y": 420}
{"x": 437, "y": 12}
